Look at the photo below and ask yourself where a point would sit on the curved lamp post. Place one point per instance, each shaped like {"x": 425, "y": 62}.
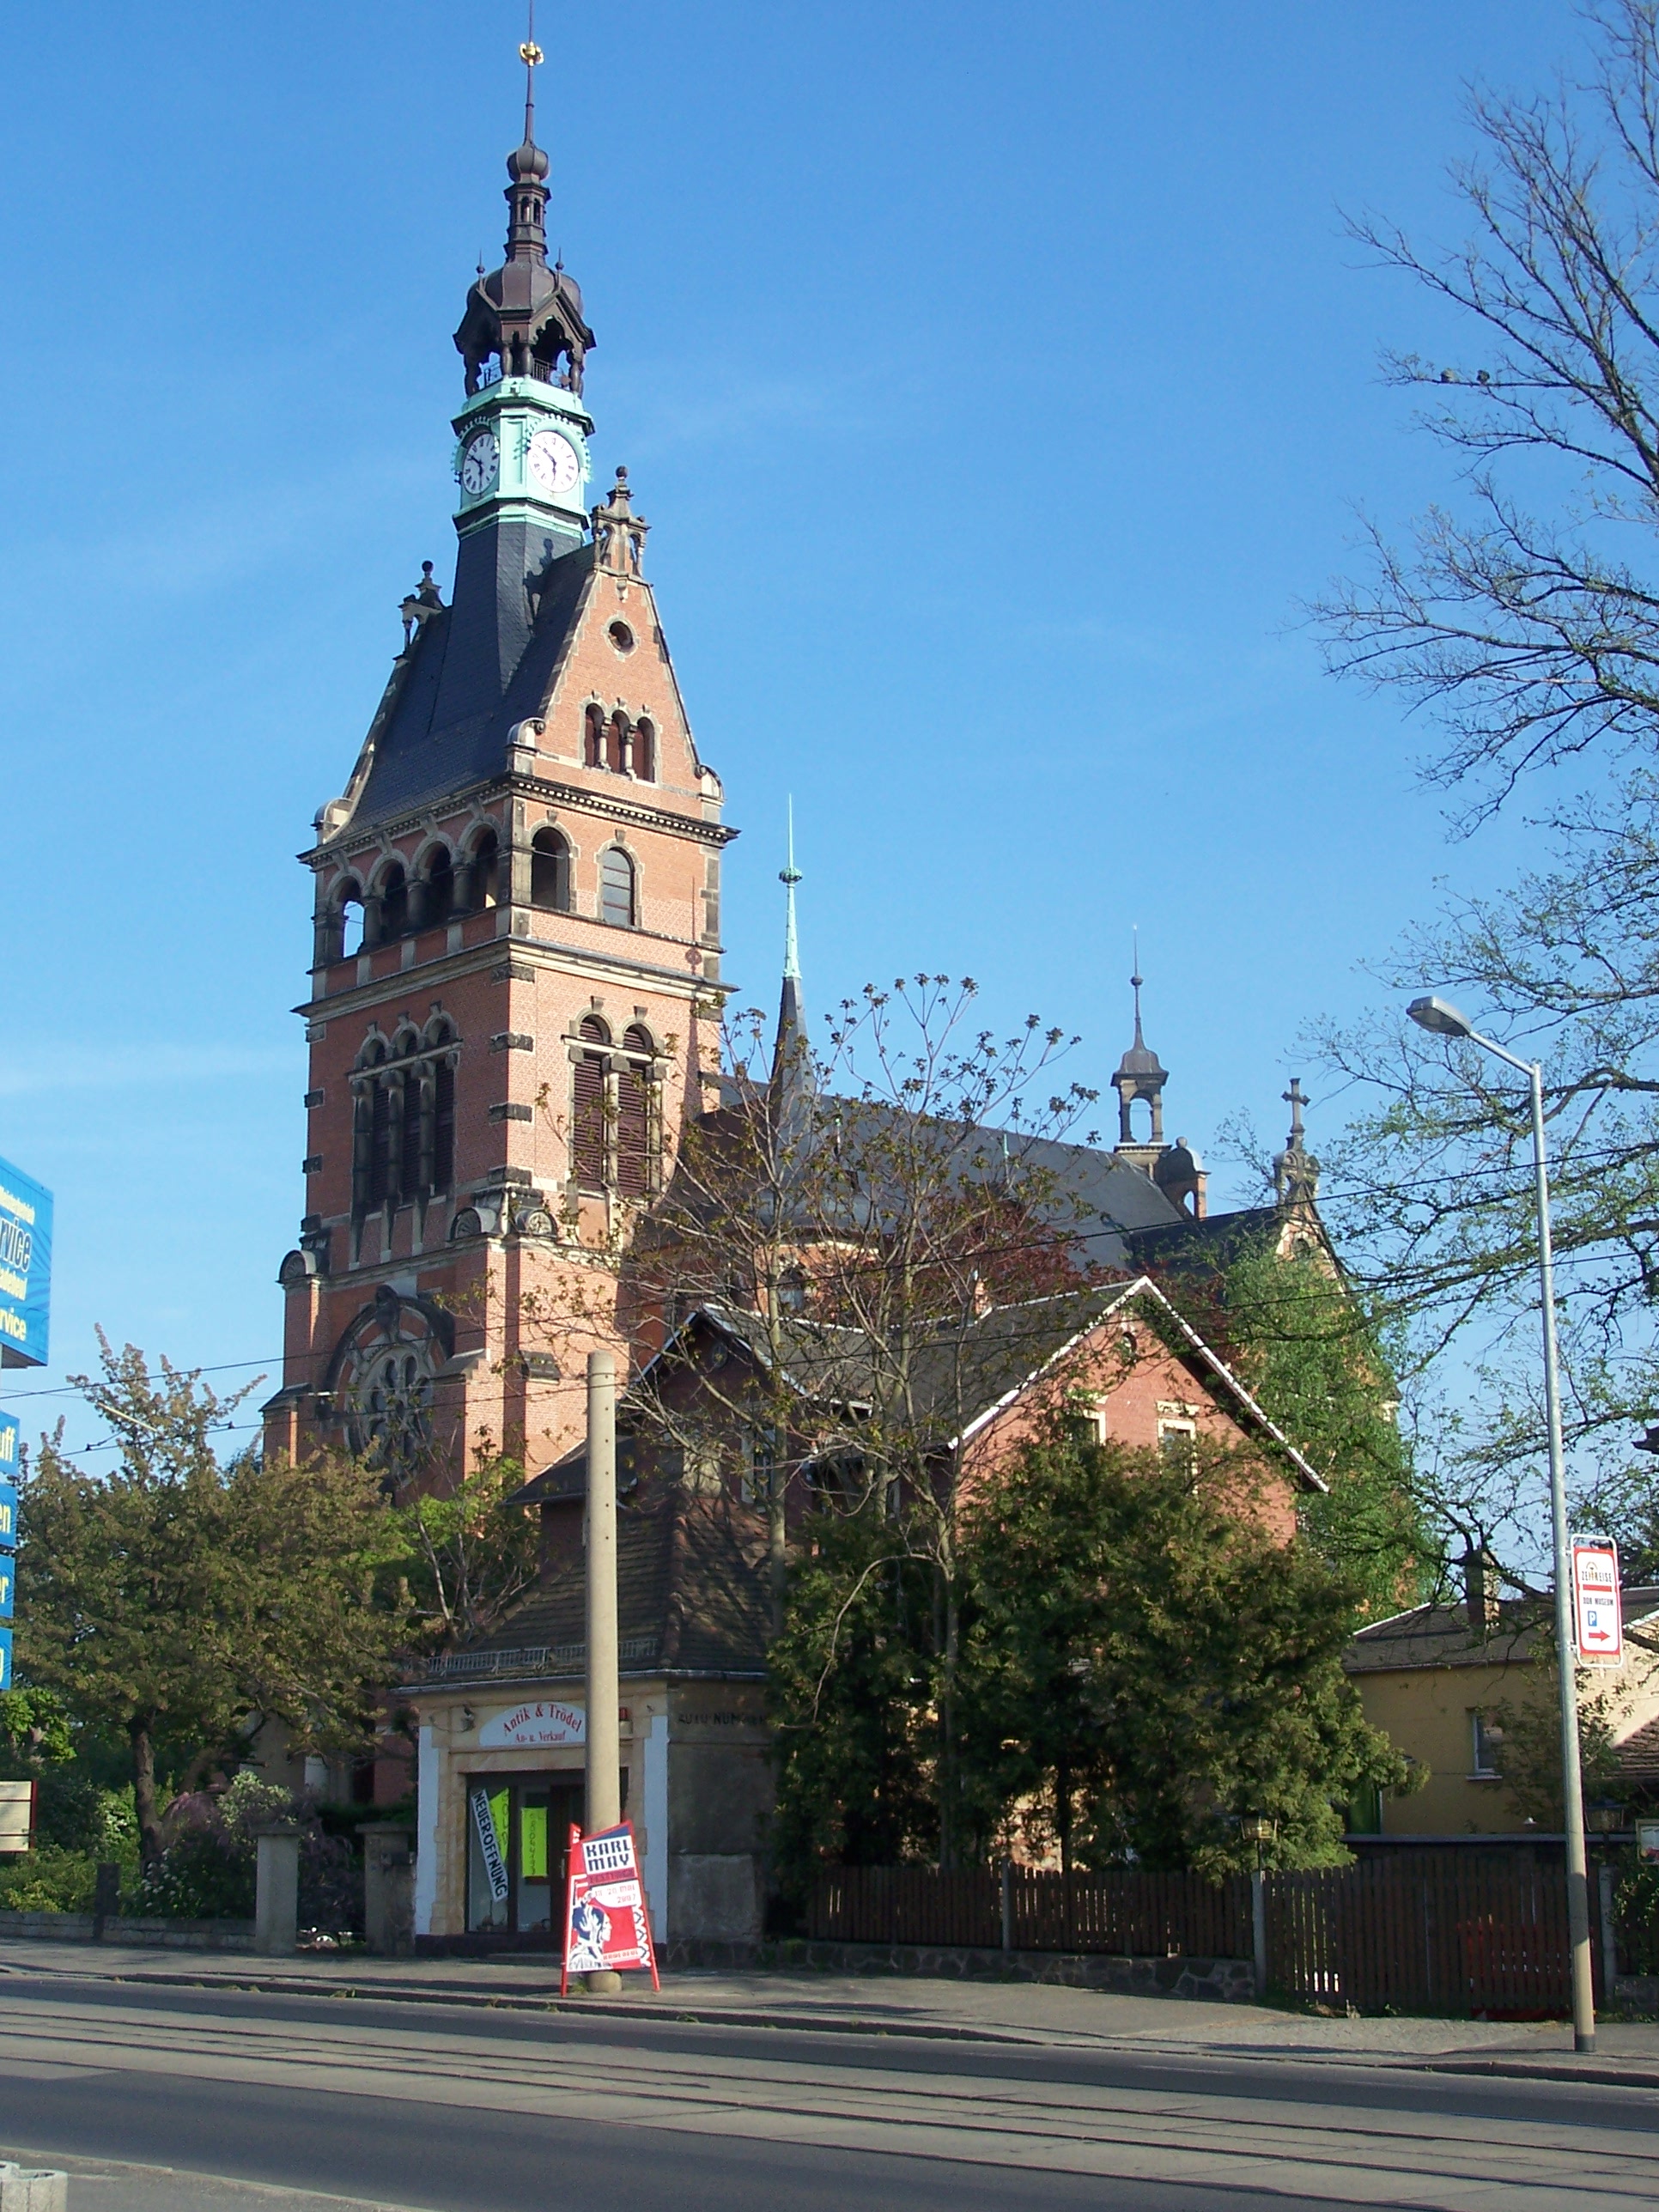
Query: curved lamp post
{"x": 1442, "y": 1018}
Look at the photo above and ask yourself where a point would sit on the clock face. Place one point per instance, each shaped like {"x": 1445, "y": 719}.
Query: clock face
{"x": 480, "y": 463}
{"x": 552, "y": 461}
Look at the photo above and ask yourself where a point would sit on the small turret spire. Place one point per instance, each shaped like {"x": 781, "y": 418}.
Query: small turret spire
{"x": 789, "y": 875}
{"x": 1134, "y": 985}
{"x": 791, "y": 1053}
{"x": 524, "y": 313}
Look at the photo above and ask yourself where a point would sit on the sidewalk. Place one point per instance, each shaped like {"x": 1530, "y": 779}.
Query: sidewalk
{"x": 969, "y": 2011}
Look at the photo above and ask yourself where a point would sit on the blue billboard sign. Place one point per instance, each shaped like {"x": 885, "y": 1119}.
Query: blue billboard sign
{"x": 8, "y": 1516}
{"x": 25, "y": 1267}
{"x": 7, "y": 1583}
{"x": 5, "y": 1658}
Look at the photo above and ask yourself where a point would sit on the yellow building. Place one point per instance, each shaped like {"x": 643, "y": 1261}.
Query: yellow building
{"x": 1434, "y": 1679}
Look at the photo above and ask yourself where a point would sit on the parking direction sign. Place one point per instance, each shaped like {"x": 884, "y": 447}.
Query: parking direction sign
{"x": 1597, "y": 1620}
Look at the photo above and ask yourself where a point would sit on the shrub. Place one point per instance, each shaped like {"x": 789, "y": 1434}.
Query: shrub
{"x": 48, "y": 1879}
{"x": 209, "y": 1866}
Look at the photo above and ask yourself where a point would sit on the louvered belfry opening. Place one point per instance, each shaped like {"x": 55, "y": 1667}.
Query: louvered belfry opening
{"x": 410, "y": 1179}
{"x": 380, "y": 1142}
{"x": 405, "y": 1120}
{"x": 443, "y": 1127}
{"x": 633, "y": 1132}
{"x": 587, "y": 1132}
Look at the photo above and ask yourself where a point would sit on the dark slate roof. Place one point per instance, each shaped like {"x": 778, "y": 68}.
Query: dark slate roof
{"x": 469, "y": 675}
{"x": 566, "y": 1478}
{"x": 691, "y": 1592}
{"x": 968, "y": 1369}
{"x": 1443, "y": 1636}
{"x": 1208, "y": 1247}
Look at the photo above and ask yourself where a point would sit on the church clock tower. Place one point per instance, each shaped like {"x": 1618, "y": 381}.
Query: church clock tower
{"x": 515, "y": 937}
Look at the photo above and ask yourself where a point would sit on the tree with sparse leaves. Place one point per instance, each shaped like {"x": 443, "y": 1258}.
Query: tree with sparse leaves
{"x": 1523, "y": 617}
{"x": 857, "y": 1209}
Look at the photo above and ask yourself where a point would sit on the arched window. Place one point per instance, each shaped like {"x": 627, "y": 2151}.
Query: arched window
{"x": 341, "y": 930}
{"x": 617, "y": 889}
{"x": 587, "y": 1104}
{"x": 440, "y": 889}
{"x": 593, "y": 737}
{"x": 636, "y": 1039}
{"x": 394, "y": 903}
{"x": 615, "y": 742}
{"x": 644, "y": 752}
{"x": 549, "y": 872}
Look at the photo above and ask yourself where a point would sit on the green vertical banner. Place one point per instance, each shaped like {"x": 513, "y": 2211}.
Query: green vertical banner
{"x": 489, "y": 1818}
{"x": 532, "y": 1843}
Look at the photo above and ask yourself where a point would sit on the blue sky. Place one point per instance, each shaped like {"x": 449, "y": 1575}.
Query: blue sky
{"x": 997, "y": 382}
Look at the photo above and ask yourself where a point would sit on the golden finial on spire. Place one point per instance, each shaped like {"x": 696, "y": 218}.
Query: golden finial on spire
{"x": 530, "y": 53}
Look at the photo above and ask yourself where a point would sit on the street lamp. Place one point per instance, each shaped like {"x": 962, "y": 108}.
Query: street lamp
{"x": 1444, "y": 1018}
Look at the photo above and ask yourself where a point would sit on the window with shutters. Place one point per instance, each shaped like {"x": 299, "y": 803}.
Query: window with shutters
{"x": 617, "y": 889}
{"x": 549, "y": 872}
{"x": 588, "y": 1133}
{"x": 587, "y": 1122}
{"x": 633, "y": 1132}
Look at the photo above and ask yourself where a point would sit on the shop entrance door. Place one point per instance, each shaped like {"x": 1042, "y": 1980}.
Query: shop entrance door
{"x": 518, "y": 1830}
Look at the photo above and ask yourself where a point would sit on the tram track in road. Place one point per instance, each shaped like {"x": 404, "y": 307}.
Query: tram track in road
{"x": 1217, "y": 2131}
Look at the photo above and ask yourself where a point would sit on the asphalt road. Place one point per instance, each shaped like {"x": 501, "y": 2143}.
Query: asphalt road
{"x": 453, "y": 2110}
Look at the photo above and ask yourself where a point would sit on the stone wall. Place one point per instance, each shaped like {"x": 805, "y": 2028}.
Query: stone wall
{"x": 180, "y": 1934}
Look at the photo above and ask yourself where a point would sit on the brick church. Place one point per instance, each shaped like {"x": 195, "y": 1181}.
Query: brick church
{"x": 514, "y": 1006}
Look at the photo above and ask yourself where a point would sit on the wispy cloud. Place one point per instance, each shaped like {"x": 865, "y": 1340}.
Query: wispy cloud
{"x": 39, "y": 1070}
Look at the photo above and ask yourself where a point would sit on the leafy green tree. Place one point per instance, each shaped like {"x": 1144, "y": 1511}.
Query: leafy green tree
{"x": 1147, "y": 1665}
{"x": 851, "y": 1685}
{"x": 176, "y": 1597}
{"x": 463, "y": 1559}
{"x": 1306, "y": 1343}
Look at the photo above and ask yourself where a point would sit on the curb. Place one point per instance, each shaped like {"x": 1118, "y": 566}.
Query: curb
{"x": 1592, "y": 2071}
{"x": 478, "y": 2001}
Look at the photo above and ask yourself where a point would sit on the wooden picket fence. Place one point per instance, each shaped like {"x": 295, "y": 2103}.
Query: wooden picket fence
{"x": 1122, "y": 1911}
{"x": 1423, "y": 1931}
{"x": 1439, "y": 1932}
